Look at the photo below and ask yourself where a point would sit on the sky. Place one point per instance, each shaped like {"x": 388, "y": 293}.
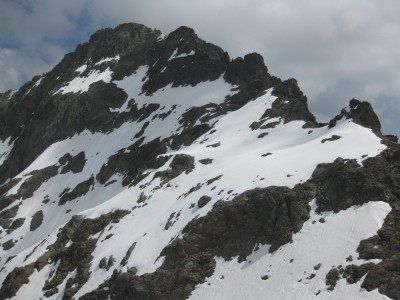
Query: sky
{"x": 337, "y": 50}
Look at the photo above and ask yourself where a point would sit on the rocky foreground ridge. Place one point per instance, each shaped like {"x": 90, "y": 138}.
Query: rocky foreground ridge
{"x": 143, "y": 163}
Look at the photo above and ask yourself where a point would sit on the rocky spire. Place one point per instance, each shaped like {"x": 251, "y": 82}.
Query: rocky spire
{"x": 361, "y": 112}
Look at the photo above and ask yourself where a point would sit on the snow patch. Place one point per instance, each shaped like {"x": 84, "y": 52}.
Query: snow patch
{"x": 161, "y": 37}
{"x": 107, "y": 59}
{"x": 81, "y": 69}
{"x": 11, "y": 94}
{"x": 81, "y": 84}
{"x": 37, "y": 83}
{"x": 5, "y": 149}
{"x": 174, "y": 54}
{"x": 186, "y": 96}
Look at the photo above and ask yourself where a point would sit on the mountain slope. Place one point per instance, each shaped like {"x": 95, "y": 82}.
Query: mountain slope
{"x": 155, "y": 167}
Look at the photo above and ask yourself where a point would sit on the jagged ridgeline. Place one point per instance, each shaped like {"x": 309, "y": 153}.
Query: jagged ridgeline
{"x": 151, "y": 166}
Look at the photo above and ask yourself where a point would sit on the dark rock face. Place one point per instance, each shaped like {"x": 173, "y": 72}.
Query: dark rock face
{"x": 184, "y": 59}
{"x": 130, "y": 41}
{"x": 291, "y": 105}
{"x": 243, "y": 71}
{"x": 271, "y": 216}
{"x": 341, "y": 184}
{"x": 363, "y": 114}
{"x": 124, "y": 39}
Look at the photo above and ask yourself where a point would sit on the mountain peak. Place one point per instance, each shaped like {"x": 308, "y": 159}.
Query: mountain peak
{"x": 155, "y": 166}
{"x": 181, "y": 58}
{"x": 183, "y": 31}
{"x": 121, "y": 40}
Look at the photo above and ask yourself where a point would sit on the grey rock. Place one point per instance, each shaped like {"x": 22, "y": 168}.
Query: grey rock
{"x": 37, "y": 220}
{"x": 203, "y": 201}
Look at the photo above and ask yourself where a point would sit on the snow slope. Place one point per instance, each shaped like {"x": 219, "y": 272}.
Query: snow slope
{"x": 297, "y": 270}
{"x": 287, "y": 155}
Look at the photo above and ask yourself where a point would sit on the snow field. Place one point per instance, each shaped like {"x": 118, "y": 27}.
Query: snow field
{"x": 98, "y": 148}
{"x": 237, "y": 155}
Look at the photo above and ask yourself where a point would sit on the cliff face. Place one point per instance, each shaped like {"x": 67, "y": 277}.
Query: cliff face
{"x": 143, "y": 164}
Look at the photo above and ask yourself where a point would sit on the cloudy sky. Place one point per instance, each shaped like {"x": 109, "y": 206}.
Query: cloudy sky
{"x": 337, "y": 50}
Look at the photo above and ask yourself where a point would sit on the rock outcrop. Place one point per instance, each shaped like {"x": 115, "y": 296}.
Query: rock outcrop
{"x": 360, "y": 112}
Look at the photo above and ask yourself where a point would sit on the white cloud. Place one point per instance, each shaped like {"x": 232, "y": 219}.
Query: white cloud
{"x": 16, "y": 68}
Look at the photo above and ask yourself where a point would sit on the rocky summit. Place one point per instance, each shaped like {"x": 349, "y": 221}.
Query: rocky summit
{"x": 154, "y": 166}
